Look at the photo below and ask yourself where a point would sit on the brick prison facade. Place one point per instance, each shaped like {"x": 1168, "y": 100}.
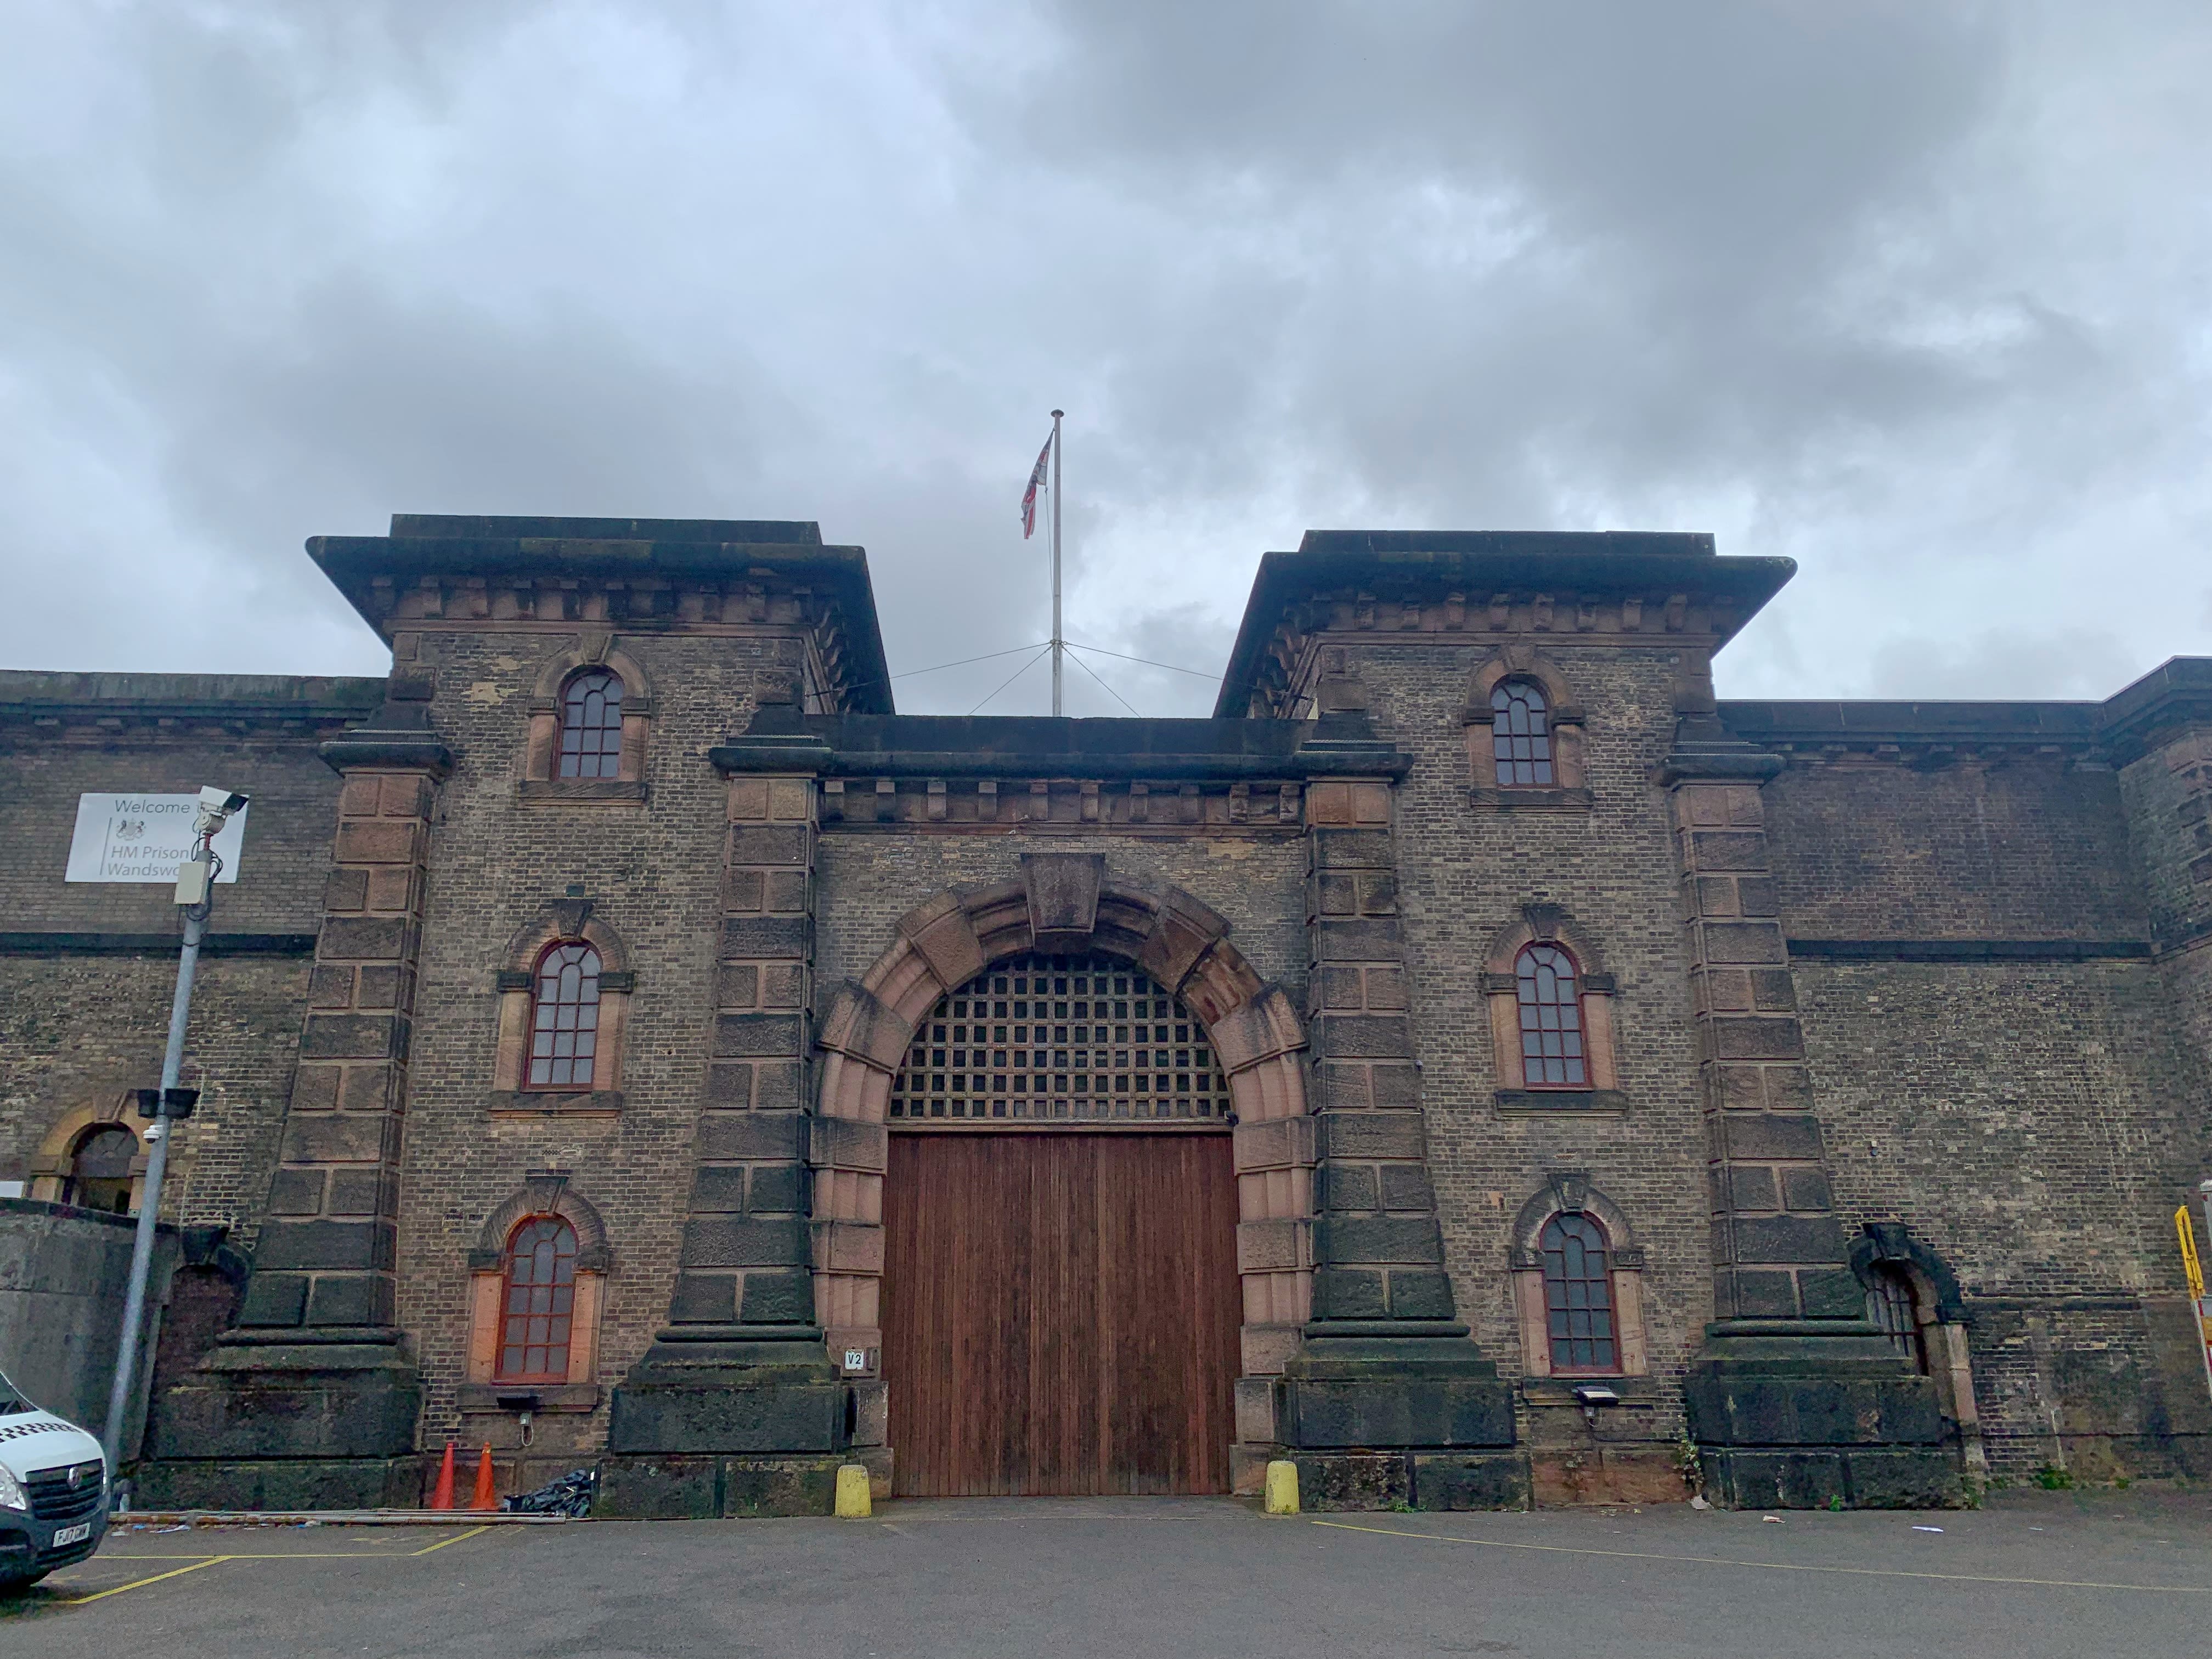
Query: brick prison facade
{"x": 1476, "y": 1065}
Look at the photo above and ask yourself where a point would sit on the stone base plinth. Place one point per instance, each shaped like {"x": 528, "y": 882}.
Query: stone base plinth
{"x": 709, "y": 1394}
{"x": 1419, "y": 1480}
{"x": 287, "y": 1483}
{"x": 1819, "y": 1477}
{"x": 287, "y": 1420}
{"x": 285, "y": 1394}
{"x": 1397, "y": 1413}
{"x": 677, "y": 1487}
{"x": 1804, "y": 1415}
{"x": 1391, "y": 1386}
{"x": 1470, "y": 1481}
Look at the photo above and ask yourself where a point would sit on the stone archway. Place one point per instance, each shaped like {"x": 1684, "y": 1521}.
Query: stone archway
{"x": 1941, "y": 1311}
{"x": 1066, "y": 903}
{"x": 51, "y": 1163}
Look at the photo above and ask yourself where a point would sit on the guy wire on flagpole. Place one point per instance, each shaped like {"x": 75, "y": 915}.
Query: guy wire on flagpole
{"x": 1059, "y": 645}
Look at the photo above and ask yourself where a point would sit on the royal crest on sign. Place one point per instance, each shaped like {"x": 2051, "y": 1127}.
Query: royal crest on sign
{"x": 131, "y": 837}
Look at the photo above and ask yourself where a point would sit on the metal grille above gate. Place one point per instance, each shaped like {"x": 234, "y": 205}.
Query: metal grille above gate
{"x": 1060, "y": 1039}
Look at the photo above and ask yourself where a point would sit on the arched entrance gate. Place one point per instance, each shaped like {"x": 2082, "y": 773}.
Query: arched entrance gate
{"x": 1095, "y": 1185}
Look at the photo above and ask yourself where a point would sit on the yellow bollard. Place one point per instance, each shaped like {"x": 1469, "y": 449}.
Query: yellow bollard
{"x": 1282, "y": 1487}
{"x": 852, "y": 1492}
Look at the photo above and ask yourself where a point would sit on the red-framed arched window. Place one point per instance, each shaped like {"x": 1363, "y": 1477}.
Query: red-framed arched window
{"x": 1578, "y": 1297}
{"x": 538, "y": 1302}
{"x": 1521, "y": 735}
{"x": 591, "y": 726}
{"x": 1553, "y": 1054}
{"x": 564, "y": 1016}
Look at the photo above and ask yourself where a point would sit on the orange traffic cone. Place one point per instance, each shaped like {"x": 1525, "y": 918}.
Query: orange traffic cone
{"x": 441, "y": 1495}
{"x": 484, "y": 1499}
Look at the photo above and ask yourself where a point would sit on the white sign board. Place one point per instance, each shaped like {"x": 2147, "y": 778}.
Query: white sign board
{"x": 144, "y": 838}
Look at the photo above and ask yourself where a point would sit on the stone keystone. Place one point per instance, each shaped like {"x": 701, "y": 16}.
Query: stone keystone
{"x": 1063, "y": 895}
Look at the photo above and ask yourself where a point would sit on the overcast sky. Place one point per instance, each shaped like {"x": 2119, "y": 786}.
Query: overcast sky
{"x": 1915, "y": 293}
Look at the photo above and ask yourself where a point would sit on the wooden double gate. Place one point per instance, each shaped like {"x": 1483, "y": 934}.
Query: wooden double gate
{"x": 1060, "y": 1312}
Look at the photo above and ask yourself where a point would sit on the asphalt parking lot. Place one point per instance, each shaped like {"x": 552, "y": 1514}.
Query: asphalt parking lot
{"x": 2033, "y": 1574}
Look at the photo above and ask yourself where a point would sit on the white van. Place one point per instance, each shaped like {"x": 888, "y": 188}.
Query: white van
{"x": 53, "y": 1491}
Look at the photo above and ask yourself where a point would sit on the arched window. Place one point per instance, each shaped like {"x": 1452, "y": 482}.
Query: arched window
{"x": 1891, "y": 1304}
{"x": 564, "y": 1025}
{"x": 538, "y": 1304}
{"x": 99, "y": 1169}
{"x": 1578, "y": 1296}
{"x": 1552, "y": 1055}
{"x": 1520, "y": 735}
{"x": 592, "y": 726}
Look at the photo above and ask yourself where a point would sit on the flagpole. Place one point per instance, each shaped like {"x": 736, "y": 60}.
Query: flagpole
{"x": 1058, "y": 646}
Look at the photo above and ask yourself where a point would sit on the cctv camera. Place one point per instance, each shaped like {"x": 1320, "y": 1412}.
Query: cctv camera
{"x": 221, "y": 801}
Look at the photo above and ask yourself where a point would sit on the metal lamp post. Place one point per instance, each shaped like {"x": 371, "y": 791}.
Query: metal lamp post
{"x": 168, "y": 1104}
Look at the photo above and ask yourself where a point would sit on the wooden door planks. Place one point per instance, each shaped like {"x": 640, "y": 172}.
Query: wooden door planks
{"x": 1061, "y": 1313}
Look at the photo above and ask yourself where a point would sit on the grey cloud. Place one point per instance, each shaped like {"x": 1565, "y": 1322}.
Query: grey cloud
{"x": 1902, "y": 291}
{"x": 1671, "y": 196}
{"x": 1681, "y": 123}
{"x": 467, "y": 404}
{"x": 2084, "y": 663}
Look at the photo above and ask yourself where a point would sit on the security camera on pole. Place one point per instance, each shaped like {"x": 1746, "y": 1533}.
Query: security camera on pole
{"x": 168, "y": 1103}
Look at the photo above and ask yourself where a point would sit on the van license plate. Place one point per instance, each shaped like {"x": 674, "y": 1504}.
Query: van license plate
{"x": 75, "y": 1534}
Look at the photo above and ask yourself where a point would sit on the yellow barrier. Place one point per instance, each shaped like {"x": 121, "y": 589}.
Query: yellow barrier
{"x": 2193, "y": 1266}
{"x": 852, "y": 1493}
{"x": 1282, "y": 1487}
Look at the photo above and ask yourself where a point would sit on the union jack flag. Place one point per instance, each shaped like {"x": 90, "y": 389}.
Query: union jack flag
{"x": 1029, "y": 495}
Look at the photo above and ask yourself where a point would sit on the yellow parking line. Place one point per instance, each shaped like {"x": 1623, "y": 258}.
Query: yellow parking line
{"x": 140, "y": 1583}
{"x": 282, "y": 1555}
{"x": 301, "y": 1555}
{"x": 456, "y": 1538}
{"x": 253, "y": 1555}
{"x": 1774, "y": 1567}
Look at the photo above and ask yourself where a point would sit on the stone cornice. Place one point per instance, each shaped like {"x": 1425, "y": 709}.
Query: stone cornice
{"x": 171, "y": 708}
{"x": 50, "y": 943}
{"x": 388, "y": 751}
{"x": 2169, "y": 700}
{"x": 1970, "y": 951}
{"x": 1223, "y": 751}
{"x": 400, "y": 738}
{"x": 638, "y": 575}
{"x": 2069, "y": 726}
{"x": 1706, "y": 751}
{"x": 1610, "y": 586}
{"x": 1737, "y": 765}
{"x": 2173, "y": 698}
